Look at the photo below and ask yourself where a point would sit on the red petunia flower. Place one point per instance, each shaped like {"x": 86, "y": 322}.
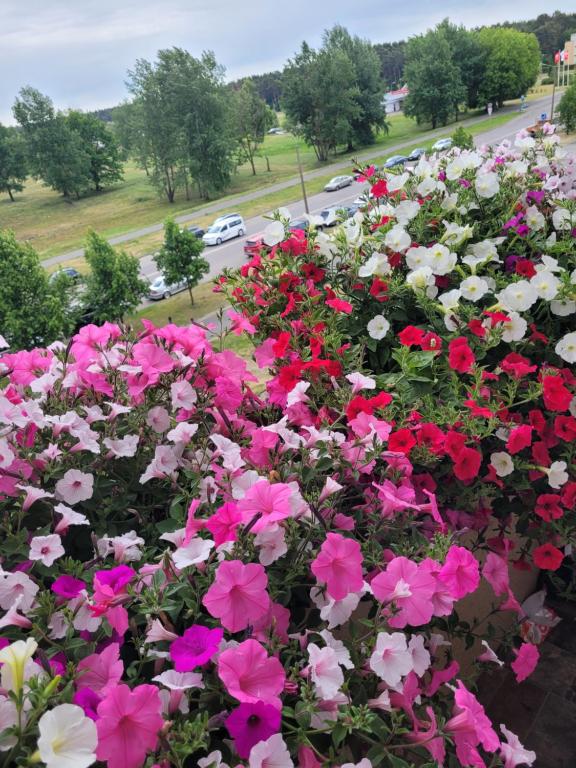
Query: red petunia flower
{"x": 460, "y": 356}
{"x": 547, "y": 557}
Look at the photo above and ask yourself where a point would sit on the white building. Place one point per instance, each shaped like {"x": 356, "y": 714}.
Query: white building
{"x": 394, "y": 100}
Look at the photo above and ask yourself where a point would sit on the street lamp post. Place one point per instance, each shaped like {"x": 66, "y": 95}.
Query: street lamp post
{"x": 302, "y": 181}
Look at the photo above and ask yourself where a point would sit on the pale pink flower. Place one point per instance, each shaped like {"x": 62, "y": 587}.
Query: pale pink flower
{"x": 240, "y": 324}
{"x": 513, "y": 753}
{"x": 250, "y": 675}
{"x": 33, "y": 495}
{"x": 195, "y": 552}
{"x": 182, "y": 433}
{"x": 238, "y": 596}
{"x": 164, "y": 464}
{"x": 17, "y": 585}
{"x": 420, "y": 656}
{"x": 525, "y": 662}
{"x": 325, "y": 671}
{"x": 460, "y": 572}
{"x": 122, "y": 447}
{"x": 342, "y": 653}
{"x": 489, "y": 655}
{"x": 359, "y": 382}
{"x": 46, "y": 549}
{"x": 272, "y": 753}
{"x": 8, "y": 718}
{"x": 157, "y": 633}
{"x": 298, "y": 394}
{"x": 12, "y": 618}
{"x": 125, "y": 548}
{"x": 330, "y": 487}
{"x": 364, "y": 763}
{"x": 391, "y": 659}
{"x": 75, "y": 486}
{"x": 271, "y": 543}
{"x": 68, "y": 517}
{"x": 7, "y": 455}
{"x": 158, "y": 419}
{"x": 335, "y": 612}
{"x": 229, "y": 451}
{"x": 183, "y": 395}
{"x": 409, "y": 588}
{"x": 339, "y": 566}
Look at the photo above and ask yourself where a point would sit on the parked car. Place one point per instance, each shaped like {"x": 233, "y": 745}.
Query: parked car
{"x": 338, "y": 182}
{"x": 441, "y": 145}
{"x": 302, "y": 224}
{"x": 160, "y": 290}
{"x": 70, "y": 272}
{"x": 198, "y": 231}
{"x": 395, "y": 160}
{"x": 224, "y": 228}
{"x": 416, "y": 154}
{"x": 254, "y": 244}
{"x": 331, "y": 217}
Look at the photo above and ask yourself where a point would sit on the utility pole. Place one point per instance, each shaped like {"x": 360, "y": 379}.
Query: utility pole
{"x": 553, "y": 95}
{"x": 302, "y": 181}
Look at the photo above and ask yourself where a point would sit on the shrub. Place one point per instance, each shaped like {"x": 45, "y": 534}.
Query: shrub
{"x": 462, "y": 139}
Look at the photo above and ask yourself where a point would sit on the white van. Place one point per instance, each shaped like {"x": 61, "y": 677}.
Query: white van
{"x": 224, "y": 228}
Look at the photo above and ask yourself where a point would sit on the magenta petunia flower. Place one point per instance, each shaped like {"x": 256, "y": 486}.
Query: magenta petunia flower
{"x": 410, "y": 588}
{"x": 339, "y": 566}
{"x": 525, "y": 662}
{"x": 195, "y": 648}
{"x": 266, "y": 503}
{"x": 67, "y": 586}
{"x": 252, "y": 723}
{"x": 89, "y": 701}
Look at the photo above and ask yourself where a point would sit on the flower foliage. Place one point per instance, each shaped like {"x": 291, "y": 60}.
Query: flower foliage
{"x": 204, "y": 574}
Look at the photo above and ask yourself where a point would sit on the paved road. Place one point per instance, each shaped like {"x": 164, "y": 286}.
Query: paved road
{"x": 510, "y": 129}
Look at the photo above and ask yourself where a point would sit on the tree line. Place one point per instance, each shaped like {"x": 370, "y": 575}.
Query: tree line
{"x": 190, "y": 130}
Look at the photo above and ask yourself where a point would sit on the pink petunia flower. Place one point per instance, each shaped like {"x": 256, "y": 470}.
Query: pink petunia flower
{"x": 75, "y": 486}
{"x": 195, "y": 648}
{"x": 250, "y": 675}
{"x": 238, "y": 596}
{"x": 272, "y": 753}
{"x": 249, "y": 724}
{"x": 15, "y": 585}
{"x": 460, "y": 572}
{"x": 101, "y": 671}
{"x": 267, "y": 502}
{"x": 46, "y": 549}
{"x": 339, "y": 566}
{"x": 525, "y": 662}
{"x": 128, "y": 725}
{"x": 67, "y": 586}
{"x": 513, "y": 753}
{"x": 469, "y": 726}
{"x": 410, "y": 588}
{"x": 495, "y": 571}
{"x": 391, "y": 659}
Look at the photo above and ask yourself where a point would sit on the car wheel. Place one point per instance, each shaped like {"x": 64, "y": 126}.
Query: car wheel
{"x": 167, "y": 294}
{"x": 218, "y": 241}
{"x": 240, "y": 232}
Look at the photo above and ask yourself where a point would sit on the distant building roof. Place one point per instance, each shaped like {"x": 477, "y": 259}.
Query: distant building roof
{"x": 398, "y": 93}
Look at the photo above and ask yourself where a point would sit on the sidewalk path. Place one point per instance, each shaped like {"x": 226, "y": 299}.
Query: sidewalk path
{"x": 534, "y": 109}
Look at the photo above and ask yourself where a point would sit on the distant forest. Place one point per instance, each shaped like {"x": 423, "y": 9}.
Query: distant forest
{"x": 551, "y": 30}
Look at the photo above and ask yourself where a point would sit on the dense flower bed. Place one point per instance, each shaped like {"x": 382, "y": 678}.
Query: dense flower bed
{"x": 196, "y": 573}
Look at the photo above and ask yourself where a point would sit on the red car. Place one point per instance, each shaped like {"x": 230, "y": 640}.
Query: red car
{"x": 255, "y": 244}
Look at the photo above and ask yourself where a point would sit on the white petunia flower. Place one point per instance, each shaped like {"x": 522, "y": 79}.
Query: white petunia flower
{"x": 391, "y": 659}
{"x": 487, "y": 185}
{"x": 440, "y": 259}
{"x": 473, "y": 288}
{"x": 566, "y": 347}
{"x": 557, "y": 475}
{"x": 546, "y": 285}
{"x": 423, "y": 279}
{"x": 68, "y": 738}
{"x": 417, "y": 257}
{"x": 534, "y": 219}
{"x": 518, "y": 297}
{"x": 514, "y": 328}
{"x": 502, "y": 463}
{"x": 378, "y": 327}
{"x": 406, "y": 211}
{"x": 377, "y": 264}
{"x": 397, "y": 239}
{"x": 561, "y": 219}
{"x": 455, "y": 234}
{"x": 563, "y": 307}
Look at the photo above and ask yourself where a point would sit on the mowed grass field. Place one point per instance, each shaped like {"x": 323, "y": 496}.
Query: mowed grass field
{"x": 53, "y": 225}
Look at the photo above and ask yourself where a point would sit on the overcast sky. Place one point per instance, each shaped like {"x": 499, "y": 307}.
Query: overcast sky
{"x": 78, "y": 51}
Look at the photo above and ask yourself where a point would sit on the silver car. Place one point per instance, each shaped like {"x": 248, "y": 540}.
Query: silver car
{"x": 159, "y": 290}
{"x": 338, "y": 182}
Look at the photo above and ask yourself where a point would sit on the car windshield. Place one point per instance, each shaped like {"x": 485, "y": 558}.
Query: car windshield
{"x": 215, "y": 228}
{"x": 158, "y": 283}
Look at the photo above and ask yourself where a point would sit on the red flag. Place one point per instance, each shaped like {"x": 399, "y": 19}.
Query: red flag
{"x": 557, "y": 57}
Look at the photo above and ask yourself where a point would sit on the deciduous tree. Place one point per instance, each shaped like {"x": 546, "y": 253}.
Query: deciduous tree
{"x": 13, "y": 164}
{"x": 434, "y": 80}
{"x": 31, "y": 314}
{"x": 512, "y": 64}
{"x": 180, "y": 257}
{"x": 567, "y": 108}
{"x": 252, "y": 118}
{"x": 113, "y": 285}
{"x": 106, "y": 165}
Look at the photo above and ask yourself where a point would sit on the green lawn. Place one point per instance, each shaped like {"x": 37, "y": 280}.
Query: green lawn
{"x": 53, "y": 225}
